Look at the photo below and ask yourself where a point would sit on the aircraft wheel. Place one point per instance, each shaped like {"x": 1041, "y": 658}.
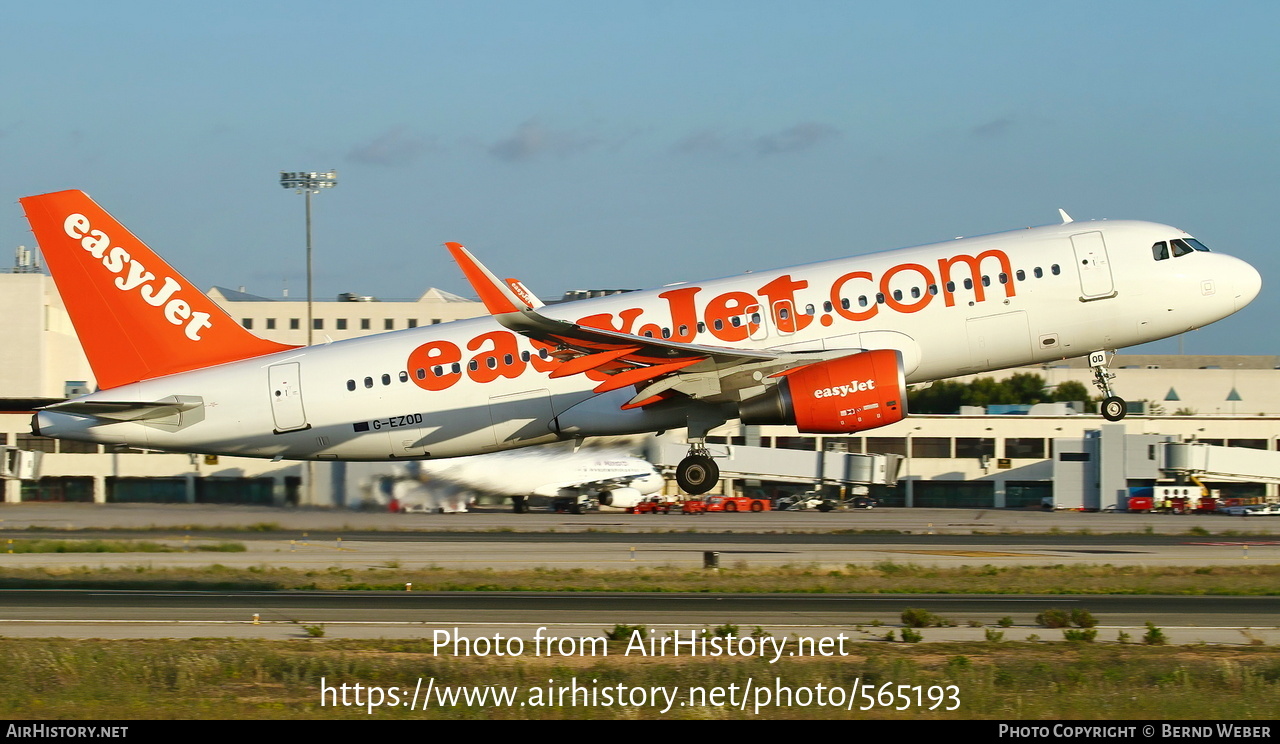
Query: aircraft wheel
{"x": 697, "y": 474}
{"x": 1113, "y": 408}
{"x": 732, "y": 506}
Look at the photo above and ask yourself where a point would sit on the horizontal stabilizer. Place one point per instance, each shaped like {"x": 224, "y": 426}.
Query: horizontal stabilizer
{"x": 119, "y": 410}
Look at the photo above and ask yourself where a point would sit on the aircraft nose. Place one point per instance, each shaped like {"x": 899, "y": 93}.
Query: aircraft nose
{"x": 1248, "y": 283}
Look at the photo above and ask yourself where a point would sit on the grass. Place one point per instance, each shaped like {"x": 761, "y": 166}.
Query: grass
{"x": 881, "y": 578}
{"x": 62, "y": 680}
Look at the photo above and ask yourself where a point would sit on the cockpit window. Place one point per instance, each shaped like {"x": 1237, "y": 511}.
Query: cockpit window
{"x": 1180, "y": 247}
{"x": 1160, "y": 251}
{"x": 1197, "y": 245}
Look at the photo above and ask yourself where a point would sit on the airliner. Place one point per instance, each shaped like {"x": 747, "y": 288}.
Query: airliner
{"x": 586, "y": 479}
{"x": 828, "y": 347}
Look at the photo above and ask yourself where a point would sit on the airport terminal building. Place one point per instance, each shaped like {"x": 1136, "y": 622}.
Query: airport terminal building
{"x": 975, "y": 459}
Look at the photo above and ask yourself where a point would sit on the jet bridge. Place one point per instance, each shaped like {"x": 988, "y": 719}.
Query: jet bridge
{"x": 789, "y": 466}
{"x": 1097, "y": 470}
{"x": 1221, "y": 463}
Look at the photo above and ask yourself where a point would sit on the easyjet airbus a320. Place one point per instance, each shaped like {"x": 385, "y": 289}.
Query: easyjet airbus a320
{"x": 827, "y": 347}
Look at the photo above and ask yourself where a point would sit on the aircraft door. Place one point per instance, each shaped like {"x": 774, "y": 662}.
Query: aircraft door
{"x": 1092, "y": 265}
{"x": 784, "y": 316}
{"x": 285, "y": 386}
{"x": 521, "y": 417}
{"x": 757, "y": 325}
{"x": 999, "y": 340}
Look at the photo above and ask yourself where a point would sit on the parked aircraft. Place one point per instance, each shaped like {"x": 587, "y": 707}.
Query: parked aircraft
{"x": 580, "y": 480}
{"x": 826, "y": 347}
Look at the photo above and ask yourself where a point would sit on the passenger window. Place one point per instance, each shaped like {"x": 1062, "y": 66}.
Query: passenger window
{"x": 702, "y": 327}
{"x": 783, "y": 313}
{"x": 879, "y": 298}
{"x": 1004, "y": 278}
{"x": 524, "y": 356}
{"x": 457, "y": 368}
{"x": 473, "y": 365}
{"x": 862, "y": 301}
{"x": 1160, "y": 251}
{"x": 404, "y": 376}
{"x": 755, "y": 318}
{"x": 826, "y": 307}
{"x": 968, "y": 284}
{"x": 1039, "y": 272}
{"x": 719, "y": 324}
{"x": 844, "y": 303}
{"x": 1021, "y": 275}
{"x": 1055, "y": 269}
{"x": 897, "y": 294}
{"x": 809, "y": 309}
{"x": 508, "y": 360}
{"x": 933, "y": 289}
{"x": 351, "y": 384}
{"x": 666, "y": 333}
{"x": 368, "y": 382}
{"x": 735, "y": 321}
{"x": 986, "y": 281}
{"x": 386, "y": 379}
{"x": 915, "y": 293}
{"x": 684, "y": 330}
{"x": 491, "y": 362}
{"x": 951, "y": 286}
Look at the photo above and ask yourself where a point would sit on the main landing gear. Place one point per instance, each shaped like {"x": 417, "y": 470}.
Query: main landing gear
{"x": 1113, "y": 406}
{"x": 697, "y": 473}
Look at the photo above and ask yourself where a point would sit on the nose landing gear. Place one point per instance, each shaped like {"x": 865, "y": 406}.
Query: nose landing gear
{"x": 1113, "y": 407}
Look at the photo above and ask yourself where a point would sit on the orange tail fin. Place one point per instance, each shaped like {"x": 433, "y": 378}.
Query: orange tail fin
{"x": 136, "y": 317}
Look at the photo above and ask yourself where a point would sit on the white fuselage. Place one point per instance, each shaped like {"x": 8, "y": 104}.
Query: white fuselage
{"x": 467, "y": 387}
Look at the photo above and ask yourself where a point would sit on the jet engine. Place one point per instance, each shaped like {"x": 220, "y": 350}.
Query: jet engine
{"x": 621, "y": 498}
{"x": 838, "y": 396}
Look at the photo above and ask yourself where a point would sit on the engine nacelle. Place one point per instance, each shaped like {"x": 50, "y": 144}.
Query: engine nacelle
{"x": 621, "y": 498}
{"x": 853, "y": 393}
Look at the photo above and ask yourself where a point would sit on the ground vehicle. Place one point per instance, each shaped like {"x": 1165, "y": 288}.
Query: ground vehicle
{"x": 737, "y": 504}
{"x": 650, "y": 506}
{"x": 693, "y": 506}
{"x": 808, "y": 500}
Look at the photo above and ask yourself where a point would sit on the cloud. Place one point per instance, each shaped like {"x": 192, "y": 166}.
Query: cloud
{"x": 994, "y": 128}
{"x": 531, "y": 139}
{"x": 705, "y": 142}
{"x": 396, "y": 146}
{"x": 802, "y": 136}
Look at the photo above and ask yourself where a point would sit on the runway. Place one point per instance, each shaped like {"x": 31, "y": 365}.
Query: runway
{"x": 134, "y": 614}
{"x": 514, "y": 550}
{"x": 324, "y": 540}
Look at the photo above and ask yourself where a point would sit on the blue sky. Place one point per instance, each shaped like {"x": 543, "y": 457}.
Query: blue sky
{"x": 632, "y": 144}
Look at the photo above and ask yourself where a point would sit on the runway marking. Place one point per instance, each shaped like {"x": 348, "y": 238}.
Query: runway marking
{"x": 970, "y": 553}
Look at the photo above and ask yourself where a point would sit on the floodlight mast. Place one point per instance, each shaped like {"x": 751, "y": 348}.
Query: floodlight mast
{"x": 308, "y": 182}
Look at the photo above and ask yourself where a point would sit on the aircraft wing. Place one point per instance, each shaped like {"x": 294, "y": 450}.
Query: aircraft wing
{"x": 659, "y": 368}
